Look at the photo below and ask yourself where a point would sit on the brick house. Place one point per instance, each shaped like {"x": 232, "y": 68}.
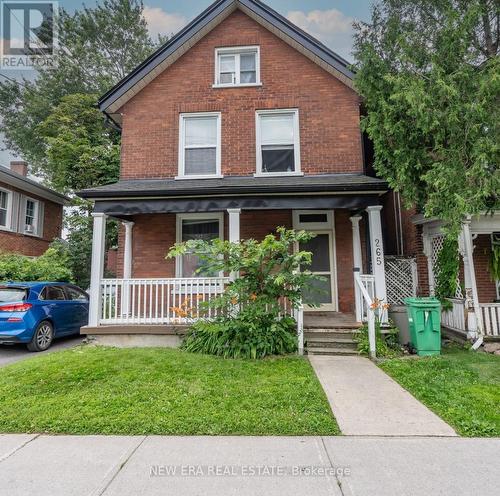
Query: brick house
{"x": 475, "y": 312}
{"x": 30, "y": 213}
{"x": 241, "y": 123}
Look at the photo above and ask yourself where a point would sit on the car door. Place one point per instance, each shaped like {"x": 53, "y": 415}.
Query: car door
{"x": 78, "y": 300}
{"x": 56, "y": 308}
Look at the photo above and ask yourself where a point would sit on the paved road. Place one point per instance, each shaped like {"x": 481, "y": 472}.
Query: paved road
{"x": 14, "y": 353}
{"x": 308, "y": 466}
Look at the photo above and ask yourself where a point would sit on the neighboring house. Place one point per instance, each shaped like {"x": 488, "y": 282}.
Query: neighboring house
{"x": 241, "y": 123}
{"x": 30, "y": 214}
{"x": 475, "y": 309}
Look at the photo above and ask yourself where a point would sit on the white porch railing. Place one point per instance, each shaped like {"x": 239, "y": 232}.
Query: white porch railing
{"x": 490, "y": 313}
{"x": 455, "y": 318}
{"x": 363, "y": 282}
{"x": 368, "y": 282}
{"x": 158, "y": 301}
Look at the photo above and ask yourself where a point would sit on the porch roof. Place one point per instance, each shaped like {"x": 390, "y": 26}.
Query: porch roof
{"x": 132, "y": 197}
{"x": 237, "y": 185}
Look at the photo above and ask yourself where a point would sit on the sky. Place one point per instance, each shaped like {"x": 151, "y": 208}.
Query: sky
{"x": 328, "y": 20}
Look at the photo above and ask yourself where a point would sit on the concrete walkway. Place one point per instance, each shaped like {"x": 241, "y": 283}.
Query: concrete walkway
{"x": 367, "y": 402}
{"x": 220, "y": 466}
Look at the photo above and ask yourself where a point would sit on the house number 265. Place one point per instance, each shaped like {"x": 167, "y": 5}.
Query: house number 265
{"x": 378, "y": 252}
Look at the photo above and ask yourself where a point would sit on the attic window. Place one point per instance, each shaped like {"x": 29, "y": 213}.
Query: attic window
{"x": 237, "y": 66}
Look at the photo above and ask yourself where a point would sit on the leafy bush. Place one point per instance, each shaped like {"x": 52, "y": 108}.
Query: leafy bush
{"x": 51, "y": 266}
{"x": 447, "y": 267}
{"x": 241, "y": 337}
{"x": 250, "y": 322}
{"x": 386, "y": 344}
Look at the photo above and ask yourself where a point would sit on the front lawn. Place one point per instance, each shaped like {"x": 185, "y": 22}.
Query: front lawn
{"x": 461, "y": 386}
{"x": 89, "y": 390}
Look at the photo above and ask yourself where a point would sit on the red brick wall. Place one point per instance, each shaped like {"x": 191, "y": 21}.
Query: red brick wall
{"x": 485, "y": 286}
{"x": 33, "y": 246}
{"x": 345, "y": 263}
{"x": 153, "y": 235}
{"x": 328, "y": 110}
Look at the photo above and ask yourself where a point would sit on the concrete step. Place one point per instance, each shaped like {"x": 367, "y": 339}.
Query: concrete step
{"x": 329, "y": 324}
{"x": 330, "y": 351}
{"x": 329, "y": 333}
{"x": 331, "y": 343}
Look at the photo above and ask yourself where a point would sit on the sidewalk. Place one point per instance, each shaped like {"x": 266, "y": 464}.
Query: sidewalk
{"x": 220, "y": 466}
{"x": 367, "y": 402}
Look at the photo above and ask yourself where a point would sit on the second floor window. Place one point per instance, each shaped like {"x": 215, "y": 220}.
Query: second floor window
{"x": 200, "y": 145}
{"x": 278, "y": 143}
{"x": 31, "y": 217}
{"x": 239, "y": 66}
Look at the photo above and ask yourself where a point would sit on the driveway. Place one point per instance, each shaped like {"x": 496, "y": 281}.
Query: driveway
{"x": 240, "y": 466}
{"x": 14, "y": 353}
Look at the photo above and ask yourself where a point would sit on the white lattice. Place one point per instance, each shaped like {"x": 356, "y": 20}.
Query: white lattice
{"x": 400, "y": 279}
{"x": 437, "y": 246}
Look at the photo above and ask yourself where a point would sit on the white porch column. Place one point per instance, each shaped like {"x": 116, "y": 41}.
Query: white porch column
{"x": 127, "y": 268}
{"x": 474, "y": 314}
{"x": 127, "y": 252}
{"x": 97, "y": 268}
{"x": 377, "y": 254}
{"x": 234, "y": 224}
{"x": 234, "y": 230}
{"x": 427, "y": 244}
{"x": 357, "y": 261}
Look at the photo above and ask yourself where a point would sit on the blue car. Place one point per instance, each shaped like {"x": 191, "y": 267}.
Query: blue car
{"x": 35, "y": 313}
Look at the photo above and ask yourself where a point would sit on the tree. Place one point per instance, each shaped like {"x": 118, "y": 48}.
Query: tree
{"x": 80, "y": 150}
{"x": 98, "y": 46}
{"x": 428, "y": 71}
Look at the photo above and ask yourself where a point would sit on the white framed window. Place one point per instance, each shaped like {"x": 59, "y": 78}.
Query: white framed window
{"x": 278, "y": 142}
{"x": 205, "y": 226}
{"x": 313, "y": 219}
{"x": 31, "y": 215}
{"x": 237, "y": 66}
{"x": 200, "y": 145}
{"x": 5, "y": 209}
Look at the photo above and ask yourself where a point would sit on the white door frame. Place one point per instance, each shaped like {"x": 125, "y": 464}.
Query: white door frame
{"x": 326, "y": 227}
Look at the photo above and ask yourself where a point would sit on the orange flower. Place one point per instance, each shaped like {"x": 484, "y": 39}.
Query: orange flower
{"x": 386, "y": 306}
{"x": 253, "y": 296}
{"x": 234, "y": 300}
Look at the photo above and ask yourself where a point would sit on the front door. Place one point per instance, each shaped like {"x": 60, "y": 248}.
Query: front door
{"x": 321, "y": 292}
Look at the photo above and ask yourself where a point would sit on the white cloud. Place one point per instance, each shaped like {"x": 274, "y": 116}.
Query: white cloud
{"x": 161, "y": 22}
{"x": 331, "y": 27}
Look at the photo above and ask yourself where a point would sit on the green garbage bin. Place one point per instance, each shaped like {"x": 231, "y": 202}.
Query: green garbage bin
{"x": 424, "y": 317}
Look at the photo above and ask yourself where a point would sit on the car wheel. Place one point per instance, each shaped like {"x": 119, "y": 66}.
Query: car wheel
{"x": 42, "y": 338}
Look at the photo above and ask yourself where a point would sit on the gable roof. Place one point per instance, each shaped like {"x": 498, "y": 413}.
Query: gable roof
{"x": 29, "y": 186}
{"x": 179, "y": 44}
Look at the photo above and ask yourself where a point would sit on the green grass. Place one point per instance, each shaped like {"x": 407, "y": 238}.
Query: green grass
{"x": 89, "y": 390}
{"x": 461, "y": 386}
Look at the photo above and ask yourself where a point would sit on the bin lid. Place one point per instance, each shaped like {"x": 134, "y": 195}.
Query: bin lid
{"x": 426, "y": 301}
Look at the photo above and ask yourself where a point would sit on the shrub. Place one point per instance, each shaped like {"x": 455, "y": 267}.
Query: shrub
{"x": 51, "y": 266}
{"x": 386, "y": 344}
{"x": 250, "y": 320}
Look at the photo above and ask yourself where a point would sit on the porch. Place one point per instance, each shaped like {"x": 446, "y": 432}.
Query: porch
{"x": 152, "y": 292}
{"x": 475, "y": 308}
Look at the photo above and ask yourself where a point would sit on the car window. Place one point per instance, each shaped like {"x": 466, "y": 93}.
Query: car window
{"x": 75, "y": 294}
{"x": 53, "y": 293}
{"x": 12, "y": 294}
